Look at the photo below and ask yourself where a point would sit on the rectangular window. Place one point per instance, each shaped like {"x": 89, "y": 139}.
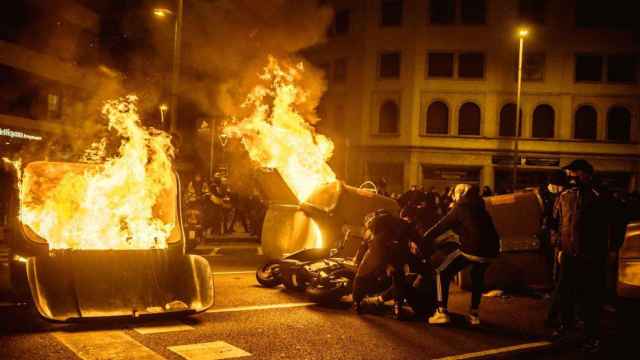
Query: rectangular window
{"x": 532, "y": 67}
{"x": 532, "y": 10}
{"x": 342, "y": 22}
{"x": 442, "y": 12}
{"x": 473, "y": 12}
{"x": 440, "y": 65}
{"x": 54, "y": 106}
{"x": 621, "y": 68}
{"x": 391, "y": 13}
{"x": 588, "y": 67}
{"x": 389, "y": 65}
{"x": 471, "y": 65}
{"x": 616, "y": 14}
{"x": 340, "y": 70}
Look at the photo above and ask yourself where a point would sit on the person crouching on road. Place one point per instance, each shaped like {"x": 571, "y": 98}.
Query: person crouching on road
{"x": 479, "y": 244}
{"x": 383, "y": 254}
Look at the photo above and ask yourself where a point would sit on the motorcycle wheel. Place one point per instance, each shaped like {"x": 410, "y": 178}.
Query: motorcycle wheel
{"x": 267, "y": 275}
{"x": 293, "y": 281}
{"x": 326, "y": 295}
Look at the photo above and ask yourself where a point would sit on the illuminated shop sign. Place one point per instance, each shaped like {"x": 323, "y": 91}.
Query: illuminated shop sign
{"x": 18, "y": 134}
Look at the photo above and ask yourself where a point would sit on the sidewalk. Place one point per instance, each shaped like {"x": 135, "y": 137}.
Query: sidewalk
{"x": 236, "y": 237}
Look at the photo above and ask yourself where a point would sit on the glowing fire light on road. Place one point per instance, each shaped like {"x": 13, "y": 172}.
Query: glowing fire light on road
{"x": 277, "y": 136}
{"x": 113, "y": 205}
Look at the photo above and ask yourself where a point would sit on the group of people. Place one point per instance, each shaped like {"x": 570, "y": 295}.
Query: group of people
{"x": 582, "y": 224}
{"x": 397, "y": 246}
{"x": 223, "y": 209}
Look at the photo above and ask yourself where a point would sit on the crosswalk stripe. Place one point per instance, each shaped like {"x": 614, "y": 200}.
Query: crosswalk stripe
{"x": 499, "y": 351}
{"x": 100, "y": 345}
{"x": 234, "y": 272}
{"x": 261, "y": 307}
{"x": 209, "y": 351}
{"x": 157, "y": 328}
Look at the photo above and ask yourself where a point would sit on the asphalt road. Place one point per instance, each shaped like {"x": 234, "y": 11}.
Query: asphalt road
{"x": 279, "y": 324}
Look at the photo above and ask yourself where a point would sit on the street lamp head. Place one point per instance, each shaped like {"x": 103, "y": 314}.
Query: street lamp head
{"x": 523, "y": 32}
{"x": 162, "y": 12}
{"x": 163, "y": 107}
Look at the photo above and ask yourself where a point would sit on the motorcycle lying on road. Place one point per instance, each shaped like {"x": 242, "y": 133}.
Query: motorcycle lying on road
{"x": 296, "y": 270}
{"x": 326, "y": 276}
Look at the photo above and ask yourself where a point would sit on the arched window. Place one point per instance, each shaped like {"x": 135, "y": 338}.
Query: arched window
{"x": 438, "y": 118}
{"x": 469, "y": 119}
{"x": 508, "y": 121}
{"x": 586, "y": 123}
{"x": 618, "y": 124}
{"x": 388, "y": 118}
{"x": 543, "y": 122}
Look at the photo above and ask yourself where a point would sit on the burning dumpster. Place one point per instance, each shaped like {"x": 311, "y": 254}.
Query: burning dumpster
{"x": 104, "y": 237}
{"x": 317, "y": 222}
{"x": 74, "y": 273}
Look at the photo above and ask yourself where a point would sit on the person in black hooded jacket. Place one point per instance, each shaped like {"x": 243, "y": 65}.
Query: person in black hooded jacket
{"x": 479, "y": 244}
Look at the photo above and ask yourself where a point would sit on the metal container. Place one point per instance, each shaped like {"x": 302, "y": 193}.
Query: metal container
{"x": 628, "y": 284}
{"x": 320, "y": 220}
{"x": 68, "y": 285}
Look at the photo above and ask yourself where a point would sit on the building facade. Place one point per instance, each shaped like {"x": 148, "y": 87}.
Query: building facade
{"x": 48, "y": 62}
{"x": 424, "y": 92}
{"x": 48, "y": 55}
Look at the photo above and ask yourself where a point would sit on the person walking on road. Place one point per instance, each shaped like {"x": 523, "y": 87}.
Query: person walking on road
{"x": 479, "y": 244}
{"x": 582, "y": 219}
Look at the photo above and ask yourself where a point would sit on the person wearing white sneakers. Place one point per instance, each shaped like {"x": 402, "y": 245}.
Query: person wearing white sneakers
{"x": 479, "y": 244}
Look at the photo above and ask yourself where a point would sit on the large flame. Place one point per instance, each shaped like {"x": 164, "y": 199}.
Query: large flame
{"x": 277, "y": 136}
{"x": 110, "y": 205}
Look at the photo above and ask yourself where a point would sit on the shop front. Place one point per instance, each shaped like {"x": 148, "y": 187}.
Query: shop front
{"x": 442, "y": 177}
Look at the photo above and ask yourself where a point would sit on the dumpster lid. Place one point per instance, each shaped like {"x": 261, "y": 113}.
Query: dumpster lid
{"x": 273, "y": 188}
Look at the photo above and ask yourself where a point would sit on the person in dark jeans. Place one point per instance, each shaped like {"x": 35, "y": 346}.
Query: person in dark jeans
{"x": 479, "y": 244}
{"x": 582, "y": 216}
{"x": 383, "y": 254}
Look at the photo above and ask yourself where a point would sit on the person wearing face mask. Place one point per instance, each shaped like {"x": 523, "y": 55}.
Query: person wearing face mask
{"x": 582, "y": 221}
{"x": 479, "y": 244}
{"x": 548, "y": 236}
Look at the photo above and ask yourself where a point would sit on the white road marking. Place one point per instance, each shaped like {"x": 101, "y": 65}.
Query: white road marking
{"x": 234, "y": 272}
{"x": 209, "y": 351}
{"x": 499, "y": 351}
{"x": 100, "y": 345}
{"x": 162, "y": 327}
{"x": 261, "y": 307}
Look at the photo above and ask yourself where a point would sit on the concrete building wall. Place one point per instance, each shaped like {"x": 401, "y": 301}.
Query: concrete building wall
{"x": 363, "y": 93}
{"x": 44, "y": 72}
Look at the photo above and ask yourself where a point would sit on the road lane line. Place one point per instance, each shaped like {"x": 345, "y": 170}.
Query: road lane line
{"x": 100, "y": 345}
{"x": 261, "y": 307}
{"x": 234, "y": 272}
{"x": 162, "y": 327}
{"x": 209, "y": 351}
{"x": 499, "y": 351}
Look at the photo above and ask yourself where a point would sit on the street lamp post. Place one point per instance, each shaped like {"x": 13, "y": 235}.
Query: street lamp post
{"x": 175, "y": 74}
{"x": 521, "y": 35}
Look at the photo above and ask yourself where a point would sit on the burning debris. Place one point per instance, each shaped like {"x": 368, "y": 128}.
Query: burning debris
{"x": 111, "y": 205}
{"x": 276, "y": 135}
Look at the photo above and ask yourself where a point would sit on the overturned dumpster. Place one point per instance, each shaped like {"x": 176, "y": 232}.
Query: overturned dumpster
{"x": 78, "y": 270}
{"x": 318, "y": 222}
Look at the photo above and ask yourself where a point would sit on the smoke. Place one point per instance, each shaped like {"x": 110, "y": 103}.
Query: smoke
{"x": 227, "y": 42}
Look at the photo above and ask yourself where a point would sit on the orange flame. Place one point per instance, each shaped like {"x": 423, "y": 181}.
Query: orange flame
{"x": 276, "y": 135}
{"x": 106, "y": 206}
